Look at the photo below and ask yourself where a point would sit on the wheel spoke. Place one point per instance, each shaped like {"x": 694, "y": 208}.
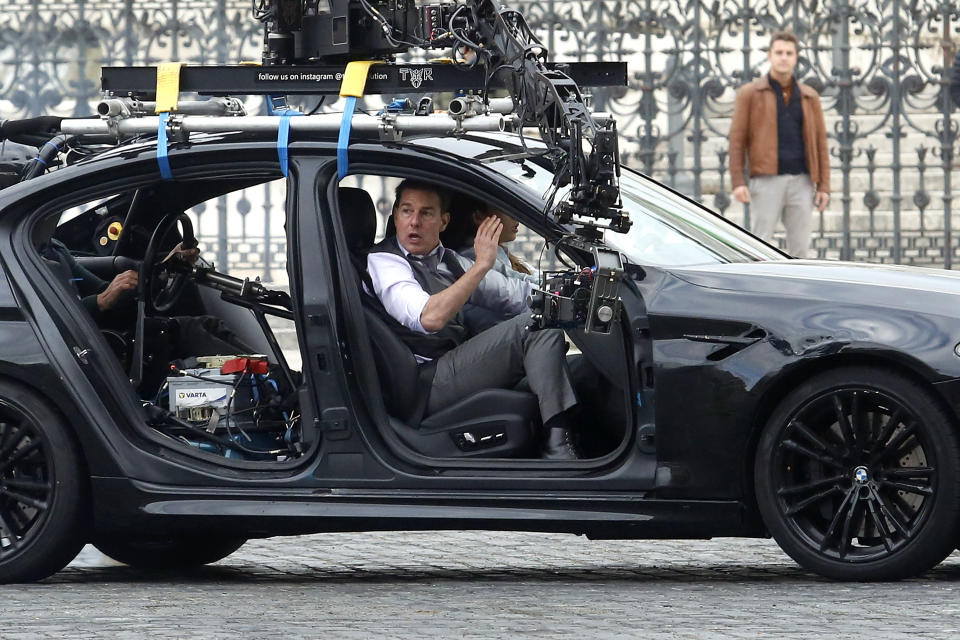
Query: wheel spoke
{"x": 809, "y": 486}
{"x": 837, "y": 518}
{"x": 860, "y": 437}
{"x": 879, "y": 524}
{"x": 18, "y": 517}
{"x": 909, "y": 472}
{"x": 7, "y": 432}
{"x": 18, "y": 455}
{"x": 799, "y": 448}
{"x": 16, "y": 436}
{"x": 888, "y": 512}
{"x": 25, "y": 499}
{"x": 909, "y": 487}
{"x": 846, "y": 433}
{"x": 850, "y": 524}
{"x": 806, "y": 502}
{"x": 888, "y": 428}
{"x": 8, "y": 532}
{"x": 894, "y": 448}
{"x": 814, "y": 439}
{"x": 26, "y": 485}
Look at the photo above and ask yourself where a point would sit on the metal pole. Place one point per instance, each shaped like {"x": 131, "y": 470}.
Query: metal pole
{"x": 362, "y": 123}
{"x": 895, "y": 132}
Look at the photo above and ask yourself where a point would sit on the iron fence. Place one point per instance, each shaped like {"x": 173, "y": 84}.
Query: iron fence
{"x": 881, "y": 66}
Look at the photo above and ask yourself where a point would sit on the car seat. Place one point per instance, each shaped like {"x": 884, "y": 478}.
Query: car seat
{"x": 488, "y": 423}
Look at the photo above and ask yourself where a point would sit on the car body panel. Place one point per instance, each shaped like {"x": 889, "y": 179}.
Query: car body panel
{"x": 718, "y": 341}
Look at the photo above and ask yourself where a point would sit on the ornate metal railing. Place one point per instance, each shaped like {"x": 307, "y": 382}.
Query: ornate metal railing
{"x": 882, "y": 67}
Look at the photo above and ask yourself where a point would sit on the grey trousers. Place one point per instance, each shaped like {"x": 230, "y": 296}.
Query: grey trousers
{"x": 499, "y": 358}
{"x": 789, "y": 196}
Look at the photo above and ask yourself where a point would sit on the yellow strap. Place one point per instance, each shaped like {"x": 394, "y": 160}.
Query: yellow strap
{"x": 168, "y": 86}
{"x": 355, "y": 78}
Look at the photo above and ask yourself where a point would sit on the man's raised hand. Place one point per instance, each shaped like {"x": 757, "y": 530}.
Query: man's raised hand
{"x": 487, "y": 242}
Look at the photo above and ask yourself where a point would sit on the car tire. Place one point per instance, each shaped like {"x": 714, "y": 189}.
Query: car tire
{"x": 44, "y": 494}
{"x": 857, "y": 475}
{"x": 175, "y": 553}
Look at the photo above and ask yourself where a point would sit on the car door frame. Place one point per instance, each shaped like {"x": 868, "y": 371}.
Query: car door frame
{"x": 632, "y": 472}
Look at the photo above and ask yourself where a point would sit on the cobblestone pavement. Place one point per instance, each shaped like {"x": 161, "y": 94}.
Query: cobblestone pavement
{"x": 476, "y": 584}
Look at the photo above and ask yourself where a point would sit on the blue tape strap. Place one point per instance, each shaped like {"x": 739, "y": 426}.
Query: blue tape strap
{"x": 162, "y": 158}
{"x": 283, "y": 138}
{"x": 41, "y": 160}
{"x": 56, "y": 149}
{"x": 344, "y": 140}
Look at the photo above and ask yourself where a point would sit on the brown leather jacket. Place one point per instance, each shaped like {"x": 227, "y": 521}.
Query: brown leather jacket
{"x": 754, "y": 131}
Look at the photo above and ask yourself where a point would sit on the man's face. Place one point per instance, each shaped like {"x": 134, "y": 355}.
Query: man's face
{"x": 419, "y": 220}
{"x": 783, "y": 57}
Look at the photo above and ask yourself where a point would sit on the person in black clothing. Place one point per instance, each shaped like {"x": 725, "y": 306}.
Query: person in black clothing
{"x": 111, "y": 305}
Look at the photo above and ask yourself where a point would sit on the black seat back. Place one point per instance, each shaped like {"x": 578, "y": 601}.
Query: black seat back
{"x": 397, "y": 369}
{"x": 359, "y": 217}
{"x": 399, "y": 374}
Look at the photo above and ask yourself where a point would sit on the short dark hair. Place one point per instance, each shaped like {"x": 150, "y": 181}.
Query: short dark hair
{"x": 421, "y": 185}
{"x": 785, "y": 36}
{"x": 461, "y": 229}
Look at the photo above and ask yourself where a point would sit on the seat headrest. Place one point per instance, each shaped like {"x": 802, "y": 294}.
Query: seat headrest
{"x": 391, "y": 228}
{"x": 359, "y": 217}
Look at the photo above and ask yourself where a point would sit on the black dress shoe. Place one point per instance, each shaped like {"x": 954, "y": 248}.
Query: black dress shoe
{"x": 559, "y": 445}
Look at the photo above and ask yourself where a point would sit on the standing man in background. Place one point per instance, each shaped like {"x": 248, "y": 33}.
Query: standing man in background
{"x": 778, "y": 126}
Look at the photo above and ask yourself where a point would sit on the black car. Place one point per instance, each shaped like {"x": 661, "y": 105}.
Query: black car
{"x": 735, "y": 391}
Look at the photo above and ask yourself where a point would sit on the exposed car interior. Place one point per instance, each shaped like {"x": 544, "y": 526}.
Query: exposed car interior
{"x": 198, "y": 346}
{"x": 492, "y": 423}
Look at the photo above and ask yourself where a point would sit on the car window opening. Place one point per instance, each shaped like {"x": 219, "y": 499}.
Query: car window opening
{"x": 199, "y": 345}
{"x": 495, "y": 421}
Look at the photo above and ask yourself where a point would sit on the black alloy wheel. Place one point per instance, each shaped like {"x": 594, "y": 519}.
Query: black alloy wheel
{"x": 43, "y": 493}
{"x": 858, "y": 476}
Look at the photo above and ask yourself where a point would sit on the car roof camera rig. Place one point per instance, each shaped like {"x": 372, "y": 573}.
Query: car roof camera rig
{"x": 306, "y": 44}
{"x": 491, "y": 38}
{"x": 308, "y": 31}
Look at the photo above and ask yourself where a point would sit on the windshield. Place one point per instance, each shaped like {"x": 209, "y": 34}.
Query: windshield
{"x": 668, "y": 230}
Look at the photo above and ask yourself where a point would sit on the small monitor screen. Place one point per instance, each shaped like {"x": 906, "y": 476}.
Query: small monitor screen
{"x": 607, "y": 259}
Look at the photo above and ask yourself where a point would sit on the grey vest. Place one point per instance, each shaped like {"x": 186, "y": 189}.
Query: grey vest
{"x": 432, "y": 345}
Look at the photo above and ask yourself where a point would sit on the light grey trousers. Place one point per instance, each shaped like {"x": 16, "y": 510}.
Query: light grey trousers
{"x": 786, "y": 196}
{"x": 499, "y": 358}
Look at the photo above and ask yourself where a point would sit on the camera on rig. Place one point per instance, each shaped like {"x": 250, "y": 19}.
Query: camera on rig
{"x": 334, "y": 31}
{"x": 589, "y": 298}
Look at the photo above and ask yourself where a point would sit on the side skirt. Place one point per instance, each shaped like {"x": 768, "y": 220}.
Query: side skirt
{"x": 135, "y": 507}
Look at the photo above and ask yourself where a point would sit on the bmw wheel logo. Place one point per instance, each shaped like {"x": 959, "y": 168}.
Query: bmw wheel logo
{"x": 860, "y": 475}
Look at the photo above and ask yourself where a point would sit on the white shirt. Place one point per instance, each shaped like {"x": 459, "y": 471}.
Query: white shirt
{"x": 504, "y": 266}
{"x": 404, "y": 298}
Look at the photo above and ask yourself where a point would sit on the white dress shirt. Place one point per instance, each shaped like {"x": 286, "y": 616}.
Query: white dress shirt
{"x": 404, "y": 298}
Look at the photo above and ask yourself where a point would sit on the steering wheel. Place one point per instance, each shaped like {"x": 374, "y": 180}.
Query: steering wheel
{"x": 161, "y": 281}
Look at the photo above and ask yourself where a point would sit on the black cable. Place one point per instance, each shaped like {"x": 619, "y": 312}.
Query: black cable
{"x": 556, "y": 252}
{"x": 193, "y": 375}
{"x": 387, "y": 27}
{"x": 546, "y": 243}
{"x": 227, "y": 417}
{"x": 316, "y": 108}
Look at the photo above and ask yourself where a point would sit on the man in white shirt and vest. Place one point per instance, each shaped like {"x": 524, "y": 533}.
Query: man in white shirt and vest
{"x": 424, "y": 286}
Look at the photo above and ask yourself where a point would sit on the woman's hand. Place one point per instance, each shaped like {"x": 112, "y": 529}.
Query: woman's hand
{"x": 487, "y": 242}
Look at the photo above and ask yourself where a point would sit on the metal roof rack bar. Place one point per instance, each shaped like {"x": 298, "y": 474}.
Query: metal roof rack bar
{"x": 387, "y": 125}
